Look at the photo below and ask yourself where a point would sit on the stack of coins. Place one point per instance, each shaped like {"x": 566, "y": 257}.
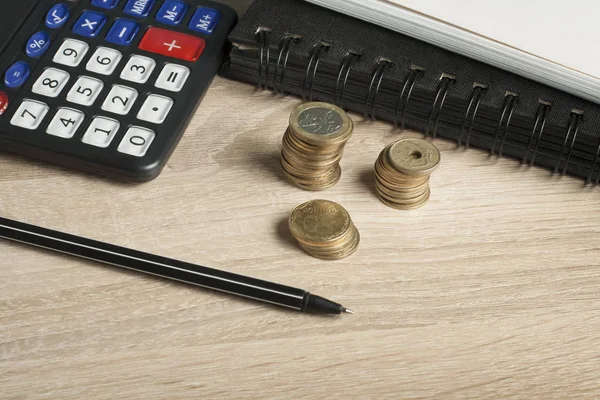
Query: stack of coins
{"x": 402, "y": 173}
{"x": 324, "y": 229}
{"x": 313, "y": 145}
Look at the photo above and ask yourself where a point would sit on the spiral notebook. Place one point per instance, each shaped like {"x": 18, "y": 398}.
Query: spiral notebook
{"x": 538, "y": 39}
{"x": 295, "y": 47}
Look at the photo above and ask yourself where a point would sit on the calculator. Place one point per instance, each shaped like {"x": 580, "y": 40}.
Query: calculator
{"x": 106, "y": 86}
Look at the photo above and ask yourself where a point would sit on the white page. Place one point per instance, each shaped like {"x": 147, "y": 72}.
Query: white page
{"x": 564, "y": 32}
{"x": 555, "y": 42}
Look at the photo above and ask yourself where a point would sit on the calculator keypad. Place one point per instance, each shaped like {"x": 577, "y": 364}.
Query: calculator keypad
{"x": 65, "y": 123}
{"x": 138, "y": 8}
{"x": 85, "y": 91}
{"x": 173, "y": 77}
{"x": 57, "y": 16}
{"x": 89, "y": 24}
{"x": 71, "y": 53}
{"x": 101, "y": 132}
{"x": 51, "y": 82}
{"x": 172, "y": 44}
{"x": 122, "y": 32}
{"x": 138, "y": 69}
{"x": 120, "y": 100}
{"x": 172, "y": 12}
{"x": 204, "y": 20}
{"x": 136, "y": 142}
{"x": 104, "y": 61}
{"x": 17, "y": 74}
{"x": 155, "y": 109}
{"x": 107, "y": 4}
{"x": 30, "y": 114}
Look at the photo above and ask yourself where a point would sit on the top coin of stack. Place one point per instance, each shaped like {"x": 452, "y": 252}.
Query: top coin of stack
{"x": 313, "y": 145}
{"x": 402, "y": 173}
{"x": 324, "y": 229}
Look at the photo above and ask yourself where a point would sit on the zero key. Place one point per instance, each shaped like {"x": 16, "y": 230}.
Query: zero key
{"x": 172, "y": 44}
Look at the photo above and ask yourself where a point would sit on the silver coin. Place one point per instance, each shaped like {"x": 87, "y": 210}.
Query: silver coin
{"x": 319, "y": 120}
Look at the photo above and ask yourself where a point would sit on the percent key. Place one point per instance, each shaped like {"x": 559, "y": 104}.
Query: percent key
{"x": 38, "y": 44}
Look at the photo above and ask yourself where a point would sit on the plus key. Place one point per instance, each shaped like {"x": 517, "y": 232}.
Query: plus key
{"x": 172, "y": 44}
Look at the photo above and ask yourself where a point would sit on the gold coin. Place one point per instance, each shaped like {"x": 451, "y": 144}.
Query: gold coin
{"x": 313, "y": 145}
{"x": 318, "y": 122}
{"x": 399, "y": 206}
{"x": 414, "y": 157}
{"x": 319, "y": 221}
{"x": 342, "y": 253}
{"x": 314, "y": 184}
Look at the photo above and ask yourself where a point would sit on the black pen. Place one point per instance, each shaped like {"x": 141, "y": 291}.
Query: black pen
{"x": 209, "y": 278}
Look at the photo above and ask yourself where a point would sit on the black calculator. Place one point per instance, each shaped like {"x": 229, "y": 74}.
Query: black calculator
{"x": 106, "y": 86}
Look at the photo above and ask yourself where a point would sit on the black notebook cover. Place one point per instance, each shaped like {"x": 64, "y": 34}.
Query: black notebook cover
{"x": 292, "y": 46}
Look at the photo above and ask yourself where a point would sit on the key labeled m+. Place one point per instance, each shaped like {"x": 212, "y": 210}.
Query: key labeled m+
{"x": 205, "y": 20}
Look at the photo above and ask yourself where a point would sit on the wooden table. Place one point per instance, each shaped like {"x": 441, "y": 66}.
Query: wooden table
{"x": 490, "y": 290}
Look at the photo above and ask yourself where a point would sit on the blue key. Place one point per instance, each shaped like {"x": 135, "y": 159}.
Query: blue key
{"x": 89, "y": 24}
{"x": 122, "y": 32}
{"x": 57, "y": 16}
{"x": 138, "y": 8}
{"x": 171, "y": 12}
{"x": 205, "y": 20}
{"x": 38, "y": 44}
{"x": 17, "y": 74}
{"x": 108, "y": 4}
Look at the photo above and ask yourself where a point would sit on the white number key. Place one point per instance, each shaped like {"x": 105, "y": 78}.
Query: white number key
{"x": 51, "y": 82}
{"x": 85, "y": 91}
{"x": 101, "y": 132}
{"x": 65, "y": 123}
{"x": 137, "y": 141}
{"x": 155, "y": 109}
{"x": 172, "y": 77}
{"x": 120, "y": 100}
{"x": 30, "y": 114}
{"x": 71, "y": 53}
{"x": 138, "y": 69}
{"x": 104, "y": 61}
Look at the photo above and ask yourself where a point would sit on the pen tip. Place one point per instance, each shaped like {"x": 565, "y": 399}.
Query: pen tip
{"x": 346, "y": 310}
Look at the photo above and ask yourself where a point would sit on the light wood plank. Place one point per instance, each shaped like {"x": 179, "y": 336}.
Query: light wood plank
{"x": 490, "y": 291}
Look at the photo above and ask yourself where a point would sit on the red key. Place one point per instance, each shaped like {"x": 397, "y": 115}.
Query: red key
{"x": 3, "y": 102}
{"x": 172, "y": 44}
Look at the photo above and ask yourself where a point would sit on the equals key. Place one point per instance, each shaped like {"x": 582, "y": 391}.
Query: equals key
{"x": 173, "y": 77}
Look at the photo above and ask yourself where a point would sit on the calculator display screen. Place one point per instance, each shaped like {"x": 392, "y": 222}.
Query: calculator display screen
{"x": 11, "y": 18}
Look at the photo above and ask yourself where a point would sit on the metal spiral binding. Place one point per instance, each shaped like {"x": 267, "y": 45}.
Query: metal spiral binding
{"x": 510, "y": 100}
{"x": 262, "y": 39}
{"x": 346, "y": 66}
{"x": 409, "y": 83}
{"x": 574, "y": 119}
{"x": 378, "y": 74}
{"x": 591, "y": 175}
{"x": 544, "y": 108}
{"x": 479, "y": 91}
{"x": 446, "y": 80}
{"x": 315, "y": 57}
{"x": 284, "y": 48}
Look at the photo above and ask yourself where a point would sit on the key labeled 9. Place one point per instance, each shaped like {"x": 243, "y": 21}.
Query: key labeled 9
{"x": 71, "y": 53}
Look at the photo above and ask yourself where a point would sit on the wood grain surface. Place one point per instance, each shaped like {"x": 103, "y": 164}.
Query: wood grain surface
{"x": 489, "y": 291}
